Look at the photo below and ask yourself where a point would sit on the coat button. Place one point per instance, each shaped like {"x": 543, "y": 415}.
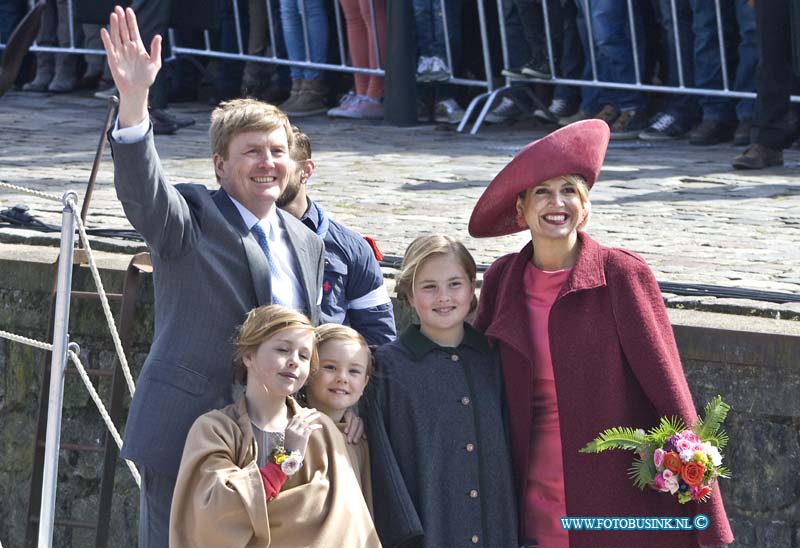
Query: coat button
{"x": 470, "y": 447}
{"x": 454, "y": 357}
{"x": 465, "y": 400}
{"x": 473, "y": 494}
{"x": 475, "y": 539}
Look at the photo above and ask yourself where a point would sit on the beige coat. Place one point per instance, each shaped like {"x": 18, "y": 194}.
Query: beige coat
{"x": 359, "y": 458}
{"x": 219, "y": 498}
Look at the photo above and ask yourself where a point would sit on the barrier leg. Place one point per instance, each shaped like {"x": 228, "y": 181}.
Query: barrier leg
{"x": 57, "y": 367}
{"x": 400, "y": 102}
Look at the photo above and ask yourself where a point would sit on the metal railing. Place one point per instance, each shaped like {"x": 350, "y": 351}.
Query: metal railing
{"x": 491, "y": 91}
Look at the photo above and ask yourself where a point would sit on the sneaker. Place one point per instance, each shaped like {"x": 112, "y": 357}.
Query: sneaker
{"x": 514, "y": 73}
{"x": 423, "y": 68}
{"x": 758, "y": 157}
{"x": 559, "y": 108}
{"x": 664, "y": 127}
{"x": 536, "y": 69}
{"x": 629, "y": 124}
{"x": 362, "y": 107}
{"x": 344, "y": 105}
{"x": 505, "y": 111}
{"x": 448, "y": 111}
{"x": 711, "y": 132}
{"x": 438, "y": 70}
{"x": 531, "y": 69}
{"x": 741, "y": 136}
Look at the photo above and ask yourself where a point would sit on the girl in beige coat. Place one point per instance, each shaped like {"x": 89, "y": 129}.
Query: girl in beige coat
{"x": 264, "y": 472}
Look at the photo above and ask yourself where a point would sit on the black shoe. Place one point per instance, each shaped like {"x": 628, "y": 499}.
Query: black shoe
{"x": 663, "y": 127}
{"x": 711, "y": 132}
{"x": 156, "y": 114}
{"x": 536, "y": 69}
{"x": 531, "y": 69}
{"x": 741, "y": 136}
{"x": 559, "y": 108}
{"x": 758, "y": 157}
{"x": 163, "y": 127}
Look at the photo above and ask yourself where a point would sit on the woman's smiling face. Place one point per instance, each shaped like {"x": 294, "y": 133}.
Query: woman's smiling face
{"x": 552, "y": 210}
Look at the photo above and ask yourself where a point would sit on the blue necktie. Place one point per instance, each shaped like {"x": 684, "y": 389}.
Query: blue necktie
{"x": 261, "y": 238}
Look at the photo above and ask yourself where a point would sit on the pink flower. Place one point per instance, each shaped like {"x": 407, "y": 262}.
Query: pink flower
{"x": 683, "y": 445}
{"x": 658, "y": 457}
{"x": 690, "y": 436}
{"x": 658, "y": 482}
{"x": 699, "y": 492}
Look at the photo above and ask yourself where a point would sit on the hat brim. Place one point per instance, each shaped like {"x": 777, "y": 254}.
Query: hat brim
{"x": 576, "y": 149}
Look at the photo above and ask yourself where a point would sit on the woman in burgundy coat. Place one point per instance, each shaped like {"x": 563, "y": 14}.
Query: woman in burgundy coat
{"x": 586, "y": 345}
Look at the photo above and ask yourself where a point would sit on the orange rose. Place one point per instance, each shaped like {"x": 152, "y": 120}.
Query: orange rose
{"x": 672, "y": 462}
{"x": 692, "y": 473}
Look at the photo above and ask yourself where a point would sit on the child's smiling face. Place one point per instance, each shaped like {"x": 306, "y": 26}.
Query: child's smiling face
{"x": 442, "y": 296}
{"x": 280, "y": 365}
{"x": 341, "y": 377}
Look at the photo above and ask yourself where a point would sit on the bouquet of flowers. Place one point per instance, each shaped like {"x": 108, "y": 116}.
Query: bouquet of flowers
{"x": 672, "y": 458}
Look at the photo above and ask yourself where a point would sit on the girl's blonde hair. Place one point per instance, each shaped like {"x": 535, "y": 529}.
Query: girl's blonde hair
{"x": 262, "y": 324}
{"x": 422, "y": 249}
{"x": 328, "y": 332}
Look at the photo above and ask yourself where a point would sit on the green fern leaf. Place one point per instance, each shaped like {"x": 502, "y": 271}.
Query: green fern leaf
{"x": 667, "y": 427}
{"x": 723, "y": 472}
{"x": 720, "y": 439}
{"x": 642, "y": 472}
{"x": 616, "y": 438}
{"x": 715, "y": 412}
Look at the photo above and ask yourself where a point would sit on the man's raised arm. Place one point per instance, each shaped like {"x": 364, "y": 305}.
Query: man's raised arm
{"x": 133, "y": 69}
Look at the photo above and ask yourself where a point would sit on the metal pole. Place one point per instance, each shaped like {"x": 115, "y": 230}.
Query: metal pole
{"x": 58, "y": 364}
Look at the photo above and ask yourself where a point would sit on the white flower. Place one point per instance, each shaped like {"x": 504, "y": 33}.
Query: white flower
{"x": 671, "y": 483}
{"x": 292, "y": 463}
{"x": 715, "y": 456}
{"x": 686, "y": 455}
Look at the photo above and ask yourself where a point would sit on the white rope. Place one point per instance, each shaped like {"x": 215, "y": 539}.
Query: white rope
{"x": 112, "y": 326}
{"x": 34, "y": 192}
{"x": 103, "y": 413}
{"x": 25, "y": 340}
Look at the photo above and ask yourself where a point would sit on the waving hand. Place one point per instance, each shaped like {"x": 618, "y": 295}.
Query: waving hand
{"x": 133, "y": 69}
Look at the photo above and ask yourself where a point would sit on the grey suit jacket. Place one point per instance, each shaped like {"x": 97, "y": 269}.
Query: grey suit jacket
{"x": 208, "y": 272}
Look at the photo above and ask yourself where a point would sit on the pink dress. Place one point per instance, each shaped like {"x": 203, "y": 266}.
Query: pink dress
{"x": 544, "y": 489}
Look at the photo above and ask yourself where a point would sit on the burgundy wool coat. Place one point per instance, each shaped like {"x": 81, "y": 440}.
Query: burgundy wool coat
{"x": 615, "y": 363}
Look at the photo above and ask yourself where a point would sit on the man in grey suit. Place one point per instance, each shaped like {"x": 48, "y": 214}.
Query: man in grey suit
{"x": 216, "y": 255}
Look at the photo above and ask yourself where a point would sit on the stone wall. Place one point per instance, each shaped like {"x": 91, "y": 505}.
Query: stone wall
{"x": 752, "y": 362}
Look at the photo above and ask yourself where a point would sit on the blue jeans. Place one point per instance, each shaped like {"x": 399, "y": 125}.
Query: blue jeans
{"x": 11, "y": 12}
{"x": 572, "y": 59}
{"x": 293, "y": 13}
{"x": 708, "y": 68}
{"x": 430, "y": 29}
{"x": 614, "y": 49}
{"x": 518, "y": 53}
{"x": 684, "y": 108}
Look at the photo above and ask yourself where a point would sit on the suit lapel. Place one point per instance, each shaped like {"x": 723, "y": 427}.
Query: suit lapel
{"x": 306, "y": 263}
{"x": 259, "y": 270}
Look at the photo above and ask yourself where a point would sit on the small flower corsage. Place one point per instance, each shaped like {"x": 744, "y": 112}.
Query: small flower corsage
{"x": 290, "y": 462}
{"x": 685, "y": 462}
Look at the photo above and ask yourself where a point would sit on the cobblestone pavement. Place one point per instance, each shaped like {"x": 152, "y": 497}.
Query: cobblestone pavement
{"x": 692, "y": 217}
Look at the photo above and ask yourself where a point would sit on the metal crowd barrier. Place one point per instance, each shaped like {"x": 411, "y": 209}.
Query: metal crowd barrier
{"x": 490, "y": 90}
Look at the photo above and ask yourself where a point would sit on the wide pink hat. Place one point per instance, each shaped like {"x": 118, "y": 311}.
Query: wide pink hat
{"x": 576, "y": 149}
